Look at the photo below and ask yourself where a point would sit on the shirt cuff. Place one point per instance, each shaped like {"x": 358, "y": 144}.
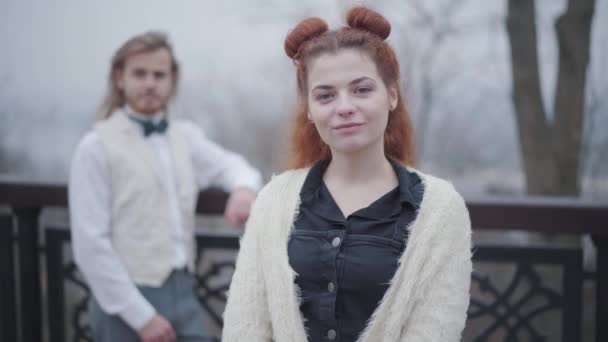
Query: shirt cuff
{"x": 137, "y": 313}
{"x": 254, "y": 184}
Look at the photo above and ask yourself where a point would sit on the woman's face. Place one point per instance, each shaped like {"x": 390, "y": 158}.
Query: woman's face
{"x": 348, "y": 101}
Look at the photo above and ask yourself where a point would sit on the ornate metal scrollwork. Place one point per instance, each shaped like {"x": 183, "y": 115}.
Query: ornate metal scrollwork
{"x": 212, "y": 287}
{"x": 79, "y": 319}
{"x": 208, "y": 293}
{"x": 511, "y": 312}
{"x": 500, "y": 309}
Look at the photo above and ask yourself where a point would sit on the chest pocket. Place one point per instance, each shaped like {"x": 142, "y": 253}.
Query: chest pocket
{"x": 356, "y": 262}
{"x": 368, "y": 262}
{"x": 310, "y": 257}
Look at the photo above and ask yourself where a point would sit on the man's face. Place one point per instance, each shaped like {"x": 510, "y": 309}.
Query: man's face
{"x": 147, "y": 81}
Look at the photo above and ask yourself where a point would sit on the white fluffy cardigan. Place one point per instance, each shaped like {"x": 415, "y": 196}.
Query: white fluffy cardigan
{"x": 428, "y": 296}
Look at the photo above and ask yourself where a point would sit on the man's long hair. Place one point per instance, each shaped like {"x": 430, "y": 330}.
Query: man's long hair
{"x": 143, "y": 43}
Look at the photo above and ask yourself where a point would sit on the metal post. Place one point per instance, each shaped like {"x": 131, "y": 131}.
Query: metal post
{"x": 8, "y": 312}
{"x": 601, "y": 311}
{"x": 572, "y": 283}
{"x": 56, "y": 303}
{"x": 29, "y": 273}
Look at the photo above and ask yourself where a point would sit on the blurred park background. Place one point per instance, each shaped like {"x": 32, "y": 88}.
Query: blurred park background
{"x": 239, "y": 85}
{"x": 509, "y": 98}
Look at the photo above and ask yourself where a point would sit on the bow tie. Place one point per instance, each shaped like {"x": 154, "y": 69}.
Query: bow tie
{"x": 150, "y": 127}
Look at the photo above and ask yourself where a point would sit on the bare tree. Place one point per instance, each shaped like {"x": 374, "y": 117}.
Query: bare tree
{"x": 595, "y": 151}
{"x": 441, "y": 28}
{"x": 551, "y": 152}
{"x": 595, "y": 144}
{"x": 436, "y": 66}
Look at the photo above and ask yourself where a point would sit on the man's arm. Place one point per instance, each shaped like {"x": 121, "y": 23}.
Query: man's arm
{"x": 90, "y": 215}
{"x": 215, "y": 165}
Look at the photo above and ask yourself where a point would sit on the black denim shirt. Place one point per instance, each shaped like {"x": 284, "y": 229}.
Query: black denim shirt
{"x": 345, "y": 265}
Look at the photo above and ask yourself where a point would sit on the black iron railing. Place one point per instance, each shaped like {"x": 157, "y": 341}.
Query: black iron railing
{"x": 510, "y": 311}
{"x": 503, "y": 308}
{"x": 8, "y": 294}
{"x": 494, "y": 310}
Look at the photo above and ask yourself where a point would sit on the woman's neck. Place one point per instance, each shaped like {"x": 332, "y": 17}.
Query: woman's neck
{"x": 357, "y": 180}
{"x": 359, "y": 168}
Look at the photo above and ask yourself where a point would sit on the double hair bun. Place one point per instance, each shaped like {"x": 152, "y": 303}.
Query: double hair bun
{"x": 361, "y": 18}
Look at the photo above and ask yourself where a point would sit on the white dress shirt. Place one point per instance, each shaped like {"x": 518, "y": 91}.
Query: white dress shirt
{"x": 90, "y": 211}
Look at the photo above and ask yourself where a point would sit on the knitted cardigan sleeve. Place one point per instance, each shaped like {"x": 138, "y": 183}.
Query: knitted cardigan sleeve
{"x": 246, "y": 317}
{"x": 439, "y": 314}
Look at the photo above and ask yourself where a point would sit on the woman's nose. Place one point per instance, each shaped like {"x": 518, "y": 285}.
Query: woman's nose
{"x": 345, "y": 106}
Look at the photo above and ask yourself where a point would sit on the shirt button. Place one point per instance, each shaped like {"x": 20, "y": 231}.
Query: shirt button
{"x": 335, "y": 242}
{"x": 331, "y": 287}
{"x": 331, "y": 334}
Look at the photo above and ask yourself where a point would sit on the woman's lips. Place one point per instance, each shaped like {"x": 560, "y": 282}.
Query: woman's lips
{"x": 347, "y": 126}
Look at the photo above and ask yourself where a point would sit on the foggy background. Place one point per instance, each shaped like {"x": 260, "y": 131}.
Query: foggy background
{"x": 239, "y": 86}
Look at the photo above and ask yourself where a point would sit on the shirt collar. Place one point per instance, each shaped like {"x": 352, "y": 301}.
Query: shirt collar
{"x": 155, "y": 118}
{"x": 314, "y": 180}
{"x": 316, "y": 197}
{"x": 314, "y": 192}
{"x": 409, "y": 185}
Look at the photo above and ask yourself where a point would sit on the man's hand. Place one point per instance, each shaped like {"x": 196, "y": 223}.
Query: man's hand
{"x": 158, "y": 329}
{"x": 239, "y": 206}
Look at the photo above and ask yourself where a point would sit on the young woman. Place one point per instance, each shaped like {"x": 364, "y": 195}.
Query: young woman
{"x": 351, "y": 243}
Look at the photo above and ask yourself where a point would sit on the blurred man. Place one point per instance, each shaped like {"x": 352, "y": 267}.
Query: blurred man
{"x": 133, "y": 188}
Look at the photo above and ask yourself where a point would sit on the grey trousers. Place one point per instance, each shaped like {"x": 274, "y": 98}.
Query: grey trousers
{"x": 175, "y": 300}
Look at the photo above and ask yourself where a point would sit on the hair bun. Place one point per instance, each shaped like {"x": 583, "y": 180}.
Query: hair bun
{"x": 303, "y": 32}
{"x": 364, "y": 18}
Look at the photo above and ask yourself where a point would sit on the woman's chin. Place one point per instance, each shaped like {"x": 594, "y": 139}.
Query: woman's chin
{"x": 350, "y": 148}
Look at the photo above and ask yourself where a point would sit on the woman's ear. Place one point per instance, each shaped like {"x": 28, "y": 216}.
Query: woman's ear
{"x": 393, "y": 97}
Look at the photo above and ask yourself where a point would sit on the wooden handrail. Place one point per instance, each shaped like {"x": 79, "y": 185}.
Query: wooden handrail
{"x": 210, "y": 202}
{"x": 540, "y": 214}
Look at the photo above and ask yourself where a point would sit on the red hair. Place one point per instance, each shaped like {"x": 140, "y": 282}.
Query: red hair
{"x": 366, "y": 31}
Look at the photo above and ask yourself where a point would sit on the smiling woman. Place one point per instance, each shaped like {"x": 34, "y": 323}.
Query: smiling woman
{"x": 352, "y": 244}
{"x": 316, "y": 51}
{"x": 348, "y": 101}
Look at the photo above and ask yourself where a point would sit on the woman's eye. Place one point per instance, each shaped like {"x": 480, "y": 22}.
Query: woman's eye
{"x": 323, "y": 97}
{"x": 363, "y": 90}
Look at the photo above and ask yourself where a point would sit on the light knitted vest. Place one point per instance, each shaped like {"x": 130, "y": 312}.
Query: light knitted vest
{"x": 140, "y": 220}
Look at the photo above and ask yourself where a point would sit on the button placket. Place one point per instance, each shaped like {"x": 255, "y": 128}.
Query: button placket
{"x": 335, "y": 241}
